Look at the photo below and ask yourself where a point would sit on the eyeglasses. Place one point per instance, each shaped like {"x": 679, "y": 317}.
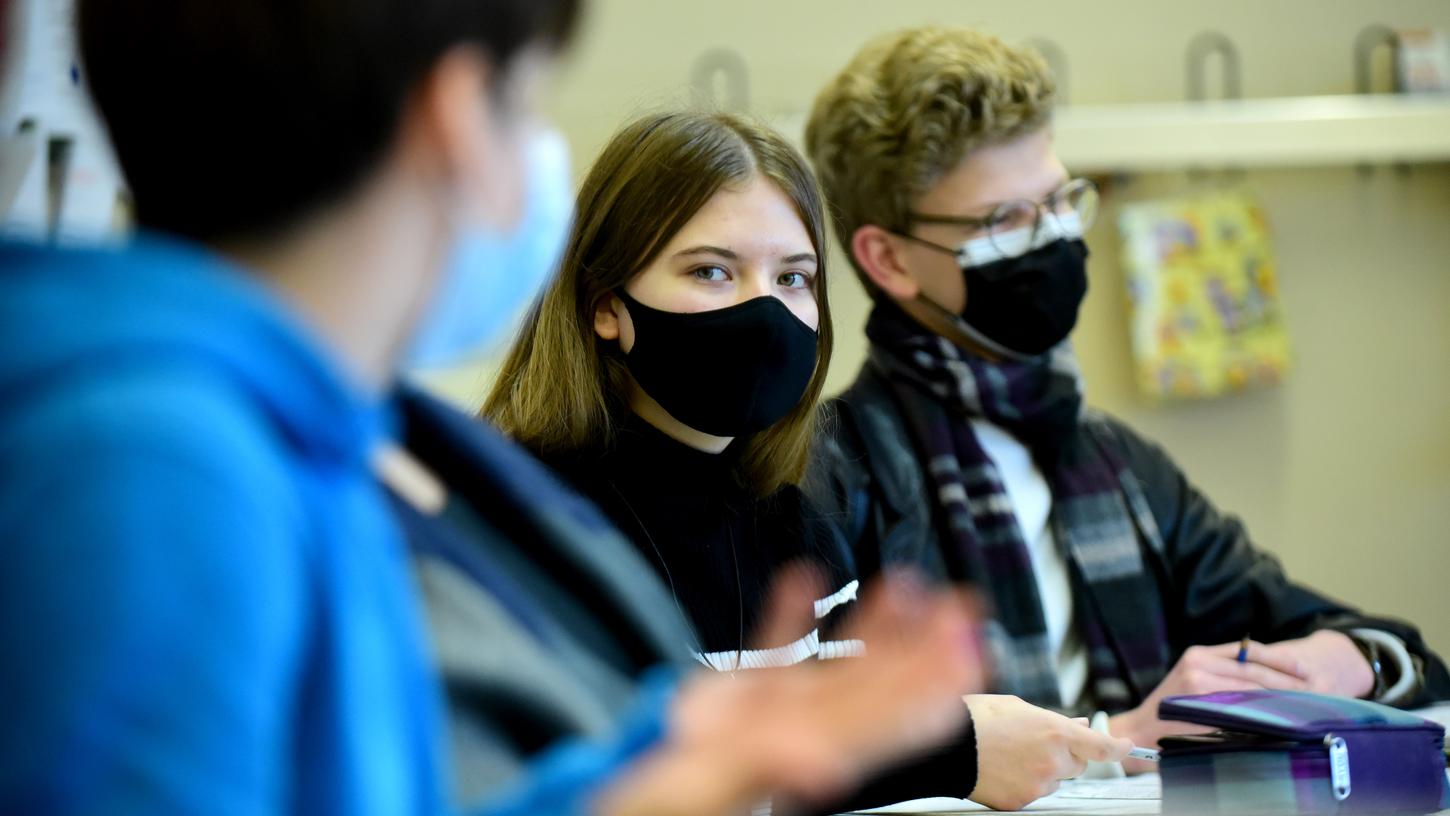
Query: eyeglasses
{"x": 1018, "y": 226}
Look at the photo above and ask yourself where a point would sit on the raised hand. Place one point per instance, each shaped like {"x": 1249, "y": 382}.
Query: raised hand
{"x": 813, "y": 730}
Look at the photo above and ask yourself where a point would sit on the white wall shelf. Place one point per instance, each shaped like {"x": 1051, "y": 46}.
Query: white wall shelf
{"x": 1288, "y": 132}
{"x": 1301, "y": 131}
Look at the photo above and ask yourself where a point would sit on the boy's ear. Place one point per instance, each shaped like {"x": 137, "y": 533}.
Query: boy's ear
{"x": 879, "y": 254}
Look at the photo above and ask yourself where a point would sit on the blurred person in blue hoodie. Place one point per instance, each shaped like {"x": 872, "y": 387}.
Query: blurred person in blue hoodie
{"x": 205, "y": 605}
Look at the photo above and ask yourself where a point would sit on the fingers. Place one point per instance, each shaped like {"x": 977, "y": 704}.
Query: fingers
{"x": 790, "y": 609}
{"x": 1093, "y": 746}
{"x": 957, "y": 634}
{"x": 888, "y": 607}
{"x": 1073, "y": 767}
{"x": 1069, "y": 764}
{"x": 910, "y": 679}
{"x": 1281, "y": 657}
{"x": 1218, "y": 650}
{"x": 1204, "y": 670}
{"x": 1258, "y": 674}
{"x": 901, "y": 620}
{"x": 938, "y": 659}
{"x": 1209, "y": 683}
{"x": 1064, "y": 764}
{"x": 921, "y": 656}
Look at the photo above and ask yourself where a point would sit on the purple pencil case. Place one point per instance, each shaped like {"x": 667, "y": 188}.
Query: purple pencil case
{"x": 1282, "y": 752}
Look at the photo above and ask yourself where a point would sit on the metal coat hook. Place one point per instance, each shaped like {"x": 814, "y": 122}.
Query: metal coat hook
{"x": 1369, "y": 39}
{"x": 1056, "y": 60}
{"x": 731, "y": 67}
{"x": 1200, "y": 48}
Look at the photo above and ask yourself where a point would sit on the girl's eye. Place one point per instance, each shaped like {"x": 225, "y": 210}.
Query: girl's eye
{"x": 794, "y": 280}
{"x": 711, "y": 273}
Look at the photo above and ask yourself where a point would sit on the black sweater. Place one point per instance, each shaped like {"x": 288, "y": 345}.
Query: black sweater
{"x": 717, "y": 547}
{"x": 713, "y": 543}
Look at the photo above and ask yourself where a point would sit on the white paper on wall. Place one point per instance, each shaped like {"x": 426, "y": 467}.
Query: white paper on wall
{"x": 43, "y": 89}
{"x": 23, "y": 195}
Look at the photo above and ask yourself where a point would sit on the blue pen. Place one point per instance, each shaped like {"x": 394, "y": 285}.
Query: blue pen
{"x": 1244, "y": 650}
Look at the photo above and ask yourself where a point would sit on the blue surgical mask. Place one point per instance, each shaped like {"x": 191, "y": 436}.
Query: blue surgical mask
{"x": 492, "y": 276}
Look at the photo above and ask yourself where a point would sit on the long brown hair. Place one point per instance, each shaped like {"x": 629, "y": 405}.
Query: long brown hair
{"x": 563, "y": 388}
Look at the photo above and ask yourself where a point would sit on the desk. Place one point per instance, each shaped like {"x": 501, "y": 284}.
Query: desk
{"x": 1135, "y": 796}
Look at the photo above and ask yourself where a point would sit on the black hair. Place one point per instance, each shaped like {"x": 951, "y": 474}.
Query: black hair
{"x": 233, "y": 118}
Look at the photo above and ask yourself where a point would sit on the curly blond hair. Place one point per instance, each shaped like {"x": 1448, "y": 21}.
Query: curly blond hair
{"x": 907, "y": 109}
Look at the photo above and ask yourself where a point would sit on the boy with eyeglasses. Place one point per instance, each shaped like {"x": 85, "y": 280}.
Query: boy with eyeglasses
{"x": 964, "y": 446}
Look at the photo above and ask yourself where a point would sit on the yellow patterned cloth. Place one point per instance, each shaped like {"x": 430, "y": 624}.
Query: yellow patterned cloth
{"x": 1203, "y": 296}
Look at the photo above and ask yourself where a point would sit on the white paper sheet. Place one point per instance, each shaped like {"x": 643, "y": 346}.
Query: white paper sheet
{"x": 1130, "y": 797}
{"x": 1146, "y": 786}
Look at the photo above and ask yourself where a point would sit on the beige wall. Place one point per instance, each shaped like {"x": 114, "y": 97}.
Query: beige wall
{"x": 1344, "y": 471}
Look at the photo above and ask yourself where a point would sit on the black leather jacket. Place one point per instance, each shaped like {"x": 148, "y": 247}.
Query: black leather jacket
{"x": 1213, "y": 583}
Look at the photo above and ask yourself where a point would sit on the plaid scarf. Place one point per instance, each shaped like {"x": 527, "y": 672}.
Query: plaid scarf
{"x": 1098, "y": 509}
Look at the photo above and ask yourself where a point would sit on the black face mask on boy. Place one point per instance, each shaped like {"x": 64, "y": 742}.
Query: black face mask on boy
{"x": 1022, "y": 305}
{"x": 1028, "y": 304}
{"x": 725, "y": 372}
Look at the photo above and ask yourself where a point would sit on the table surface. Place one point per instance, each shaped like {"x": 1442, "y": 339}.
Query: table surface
{"x": 1134, "y": 796}
{"x": 1124, "y": 797}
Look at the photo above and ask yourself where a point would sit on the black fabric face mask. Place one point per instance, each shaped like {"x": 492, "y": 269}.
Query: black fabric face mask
{"x": 726, "y": 372}
{"x": 1029, "y": 303}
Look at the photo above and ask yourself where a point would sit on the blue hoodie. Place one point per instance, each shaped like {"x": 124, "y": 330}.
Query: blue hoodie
{"x": 204, "y": 604}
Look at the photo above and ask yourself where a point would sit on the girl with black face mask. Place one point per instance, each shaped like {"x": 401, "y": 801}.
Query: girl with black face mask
{"x": 671, "y": 374}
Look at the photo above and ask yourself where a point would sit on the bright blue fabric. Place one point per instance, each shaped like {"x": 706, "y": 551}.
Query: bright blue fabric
{"x": 565, "y": 779}
{"x": 204, "y": 604}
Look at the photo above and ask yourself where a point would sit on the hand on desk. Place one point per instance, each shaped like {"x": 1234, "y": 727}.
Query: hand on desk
{"x": 1329, "y": 662}
{"x": 1024, "y": 752}
{"x": 811, "y": 730}
{"x": 1326, "y": 662}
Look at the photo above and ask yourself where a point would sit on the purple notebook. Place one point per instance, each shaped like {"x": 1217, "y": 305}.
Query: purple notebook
{"x": 1296, "y": 752}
